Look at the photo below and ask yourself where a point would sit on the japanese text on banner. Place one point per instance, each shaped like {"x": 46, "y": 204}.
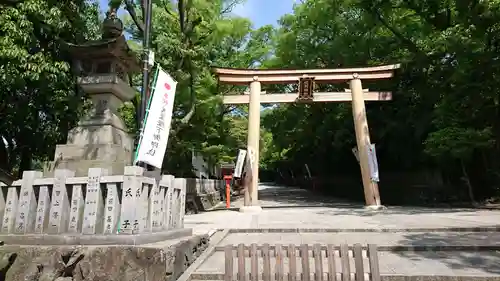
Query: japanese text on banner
{"x": 157, "y": 127}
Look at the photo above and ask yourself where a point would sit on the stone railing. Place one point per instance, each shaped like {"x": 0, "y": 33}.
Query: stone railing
{"x": 204, "y": 194}
{"x": 94, "y": 205}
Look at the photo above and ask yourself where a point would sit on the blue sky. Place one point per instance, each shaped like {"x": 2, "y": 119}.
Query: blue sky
{"x": 264, "y": 12}
{"x": 261, "y": 12}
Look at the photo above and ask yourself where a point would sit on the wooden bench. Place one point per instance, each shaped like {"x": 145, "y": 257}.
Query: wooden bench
{"x": 294, "y": 263}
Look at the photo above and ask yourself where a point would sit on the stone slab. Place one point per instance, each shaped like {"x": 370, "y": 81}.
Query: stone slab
{"x": 97, "y": 239}
{"x": 81, "y": 167}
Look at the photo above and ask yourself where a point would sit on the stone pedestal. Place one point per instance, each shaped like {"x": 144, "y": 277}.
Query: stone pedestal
{"x": 100, "y": 140}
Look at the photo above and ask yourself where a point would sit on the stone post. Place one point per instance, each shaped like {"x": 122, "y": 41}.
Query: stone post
{"x": 180, "y": 186}
{"x": 43, "y": 210}
{"x": 253, "y": 147}
{"x": 3, "y": 195}
{"x": 167, "y": 184}
{"x": 131, "y": 194}
{"x": 26, "y": 212}
{"x": 60, "y": 205}
{"x": 112, "y": 209}
{"x": 363, "y": 141}
{"x": 11, "y": 206}
{"x": 94, "y": 205}
{"x": 77, "y": 209}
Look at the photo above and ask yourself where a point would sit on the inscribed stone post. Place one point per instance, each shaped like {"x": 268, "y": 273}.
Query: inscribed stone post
{"x": 112, "y": 209}
{"x": 156, "y": 211}
{"x": 26, "y": 213}
{"x": 167, "y": 182}
{"x": 222, "y": 189}
{"x": 60, "y": 205}
{"x": 42, "y": 212}
{"x": 77, "y": 209}
{"x": 200, "y": 186}
{"x": 166, "y": 185}
{"x": 161, "y": 196}
{"x": 11, "y": 207}
{"x": 3, "y": 194}
{"x": 93, "y": 220}
{"x": 132, "y": 182}
{"x": 144, "y": 221}
{"x": 211, "y": 186}
{"x": 175, "y": 204}
{"x": 180, "y": 185}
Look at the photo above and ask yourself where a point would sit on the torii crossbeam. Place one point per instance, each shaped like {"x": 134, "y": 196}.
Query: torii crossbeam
{"x": 306, "y": 80}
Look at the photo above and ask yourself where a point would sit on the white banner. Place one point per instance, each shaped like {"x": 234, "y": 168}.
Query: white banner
{"x": 238, "y": 169}
{"x": 155, "y": 134}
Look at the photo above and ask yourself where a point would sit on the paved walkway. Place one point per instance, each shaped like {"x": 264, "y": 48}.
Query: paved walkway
{"x": 333, "y": 221}
{"x": 296, "y": 208}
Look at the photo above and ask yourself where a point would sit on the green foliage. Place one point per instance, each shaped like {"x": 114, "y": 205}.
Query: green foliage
{"x": 189, "y": 38}
{"x": 445, "y": 108}
{"x": 39, "y": 98}
{"x": 458, "y": 143}
{"x": 445, "y": 104}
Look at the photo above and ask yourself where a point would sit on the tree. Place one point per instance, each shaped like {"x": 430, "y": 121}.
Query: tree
{"x": 445, "y": 104}
{"x": 188, "y": 38}
{"x": 40, "y": 99}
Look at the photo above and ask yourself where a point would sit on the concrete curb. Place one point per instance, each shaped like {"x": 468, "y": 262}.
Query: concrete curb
{"x": 95, "y": 239}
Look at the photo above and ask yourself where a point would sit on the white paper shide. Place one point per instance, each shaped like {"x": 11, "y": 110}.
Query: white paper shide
{"x": 238, "y": 170}
{"x": 373, "y": 164}
{"x": 157, "y": 128}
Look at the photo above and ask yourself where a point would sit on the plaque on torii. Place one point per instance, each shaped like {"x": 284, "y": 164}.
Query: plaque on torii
{"x": 306, "y": 89}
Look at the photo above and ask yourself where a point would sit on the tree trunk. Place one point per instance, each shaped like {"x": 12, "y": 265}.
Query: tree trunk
{"x": 467, "y": 182}
{"x": 25, "y": 163}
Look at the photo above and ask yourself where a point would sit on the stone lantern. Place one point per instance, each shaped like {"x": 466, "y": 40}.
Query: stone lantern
{"x": 100, "y": 139}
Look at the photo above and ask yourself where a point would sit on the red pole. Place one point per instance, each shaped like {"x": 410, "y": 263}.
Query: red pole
{"x": 228, "y": 190}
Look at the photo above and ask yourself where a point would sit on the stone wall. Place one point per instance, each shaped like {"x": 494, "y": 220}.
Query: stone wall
{"x": 98, "y": 227}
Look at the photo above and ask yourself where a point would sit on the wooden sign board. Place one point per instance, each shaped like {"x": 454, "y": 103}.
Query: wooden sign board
{"x": 306, "y": 88}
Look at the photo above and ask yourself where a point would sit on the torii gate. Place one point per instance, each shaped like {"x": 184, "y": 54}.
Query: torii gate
{"x": 306, "y": 79}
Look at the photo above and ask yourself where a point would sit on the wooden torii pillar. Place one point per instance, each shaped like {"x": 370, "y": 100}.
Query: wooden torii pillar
{"x": 306, "y": 79}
